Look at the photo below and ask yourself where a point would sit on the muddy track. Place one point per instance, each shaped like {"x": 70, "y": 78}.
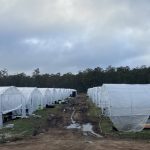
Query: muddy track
{"x": 76, "y": 109}
{"x": 57, "y": 137}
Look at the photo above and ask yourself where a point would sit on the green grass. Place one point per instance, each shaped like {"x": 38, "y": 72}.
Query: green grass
{"x": 93, "y": 111}
{"x": 24, "y": 128}
{"x": 93, "y": 116}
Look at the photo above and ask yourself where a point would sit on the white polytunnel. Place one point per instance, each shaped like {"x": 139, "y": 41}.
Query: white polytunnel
{"x": 65, "y": 95}
{"x": 54, "y": 95}
{"x": 52, "y": 98}
{"x": 128, "y": 106}
{"x": 95, "y": 94}
{"x": 47, "y": 95}
{"x": 98, "y": 96}
{"x": 33, "y": 98}
{"x": 11, "y": 100}
{"x": 59, "y": 94}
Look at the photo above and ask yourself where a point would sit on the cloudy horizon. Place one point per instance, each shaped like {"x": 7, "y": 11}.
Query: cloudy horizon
{"x": 72, "y": 35}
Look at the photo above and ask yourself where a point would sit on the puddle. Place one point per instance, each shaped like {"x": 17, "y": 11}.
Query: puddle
{"x": 74, "y": 126}
{"x": 88, "y": 128}
{"x": 85, "y": 128}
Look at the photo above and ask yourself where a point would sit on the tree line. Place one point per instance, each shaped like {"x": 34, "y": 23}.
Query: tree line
{"x": 80, "y": 81}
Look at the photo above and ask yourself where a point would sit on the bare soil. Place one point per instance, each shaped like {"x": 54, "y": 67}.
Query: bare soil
{"x": 57, "y": 137}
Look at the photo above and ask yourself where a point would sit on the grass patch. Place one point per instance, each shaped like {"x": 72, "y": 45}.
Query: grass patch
{"x": 24, "y": 128}
{"x": 93, "y": 111}
{"x": 93, "y": 115}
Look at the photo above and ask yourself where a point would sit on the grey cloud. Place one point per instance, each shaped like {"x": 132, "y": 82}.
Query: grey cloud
{"x": 71, "y": 35}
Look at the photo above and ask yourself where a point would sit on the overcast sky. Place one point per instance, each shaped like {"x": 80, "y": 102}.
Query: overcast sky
{"x": 71, "y": 35}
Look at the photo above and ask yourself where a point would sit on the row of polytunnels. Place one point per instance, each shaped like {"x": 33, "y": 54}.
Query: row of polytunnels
{"x": 127, "y": 106}
{"x": 23, "y": 101}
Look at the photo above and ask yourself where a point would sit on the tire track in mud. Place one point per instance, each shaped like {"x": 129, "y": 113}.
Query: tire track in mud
{"x": 85, "y": 128}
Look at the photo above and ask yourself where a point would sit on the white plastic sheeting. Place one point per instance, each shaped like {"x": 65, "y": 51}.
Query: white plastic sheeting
{"x": 33, "y": 98}
{"x": 95, "y": 94}
{"x": 54, "y": 95}
{"x": 46, "y": 96}
{"x": 64, "y": 93}
{"x": 11, "y": 100}
{"x": 60, "y": 94}
{"x": 128, "y": 106}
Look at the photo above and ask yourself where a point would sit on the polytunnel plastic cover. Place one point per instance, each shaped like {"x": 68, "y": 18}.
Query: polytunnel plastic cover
{"x": 33, "y": 98}
{"x": 128, "y": 105}
{"x": 10, "y": 99}
{"x": 46, "y": 96}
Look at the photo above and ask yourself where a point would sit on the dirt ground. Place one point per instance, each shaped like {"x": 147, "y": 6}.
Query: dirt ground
{"x": 59, "y": 138}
